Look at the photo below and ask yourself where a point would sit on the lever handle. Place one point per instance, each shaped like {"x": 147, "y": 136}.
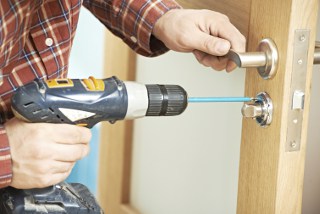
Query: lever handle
{"x": 265, "y": 59}
{"x": 249, "y": 59}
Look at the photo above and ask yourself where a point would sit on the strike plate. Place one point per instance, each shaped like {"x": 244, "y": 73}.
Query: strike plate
{"x": 297, "y": 89}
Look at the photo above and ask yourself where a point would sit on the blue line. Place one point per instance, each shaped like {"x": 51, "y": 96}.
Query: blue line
{"x": 218, "y": 99}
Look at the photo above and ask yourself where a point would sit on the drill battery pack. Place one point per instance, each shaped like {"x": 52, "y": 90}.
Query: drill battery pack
{"x": 61, "y": 198}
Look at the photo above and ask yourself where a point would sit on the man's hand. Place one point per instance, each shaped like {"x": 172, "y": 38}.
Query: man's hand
{"x": 44, "y": 154}
{"x": 209, "y": 35}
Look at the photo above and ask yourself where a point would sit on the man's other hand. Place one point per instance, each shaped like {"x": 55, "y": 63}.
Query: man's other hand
{"x": 44, "y": 154}
{"x": 208, "y": 34}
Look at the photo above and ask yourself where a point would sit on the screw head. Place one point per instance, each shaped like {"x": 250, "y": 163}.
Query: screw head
{"x": 293, "y": 144}
{"x": 58, "y": 186}
{"x": 42, "y": 90}
{"x": 302, "y": 38}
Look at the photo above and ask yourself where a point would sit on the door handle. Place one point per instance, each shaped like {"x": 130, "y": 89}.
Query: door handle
{"x": 265, "y": 59}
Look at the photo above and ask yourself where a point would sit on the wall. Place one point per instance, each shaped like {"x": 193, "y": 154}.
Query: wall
{"x": 311, "y": 192}
{"x": 189, "y": 163}
{"x": 86, "y": 60}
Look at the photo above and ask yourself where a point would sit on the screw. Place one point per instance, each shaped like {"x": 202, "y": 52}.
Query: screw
{"x": 58, "y": 186}
{"x": 120, "y": 87}
{"x": 42, "y": 90}
{"x": 293, "y": 144}
{"x": 300, "y": 61}
{"x": 302, "y": 38}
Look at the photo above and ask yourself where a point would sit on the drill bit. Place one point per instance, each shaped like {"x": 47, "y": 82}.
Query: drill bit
{"x": 219, "y": 99}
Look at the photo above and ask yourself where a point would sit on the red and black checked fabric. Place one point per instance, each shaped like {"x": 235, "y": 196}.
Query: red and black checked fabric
{"x": 5, "y": 159}
{"x": 36, "y": 38}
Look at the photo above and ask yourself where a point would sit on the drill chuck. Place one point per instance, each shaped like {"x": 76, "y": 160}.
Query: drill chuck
{"x": 166, "y": 100}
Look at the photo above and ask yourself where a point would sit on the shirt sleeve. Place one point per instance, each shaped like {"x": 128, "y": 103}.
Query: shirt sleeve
{"x": 5, "y": 159}
{"x": 133, "y": 21}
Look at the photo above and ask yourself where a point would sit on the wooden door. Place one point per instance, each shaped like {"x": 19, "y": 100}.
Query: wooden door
{"x": 271, "y": 174}
{"x": 271, "y": 164}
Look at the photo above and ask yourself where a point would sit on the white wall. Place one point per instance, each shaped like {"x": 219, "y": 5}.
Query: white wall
{"x": 188, "y": 164}
{"x": 311, "y": 194}
{"x": 87, "y": 55}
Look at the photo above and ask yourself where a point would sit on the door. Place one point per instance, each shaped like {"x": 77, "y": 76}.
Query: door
{"x": 272, "y": 158}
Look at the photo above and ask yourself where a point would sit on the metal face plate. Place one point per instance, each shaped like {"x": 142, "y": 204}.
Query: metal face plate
{"x": 298, "y": 84}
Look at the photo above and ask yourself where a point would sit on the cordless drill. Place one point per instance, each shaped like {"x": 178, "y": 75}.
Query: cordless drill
{"x": 86, "y": 102}
{"x": 82, "y": 102}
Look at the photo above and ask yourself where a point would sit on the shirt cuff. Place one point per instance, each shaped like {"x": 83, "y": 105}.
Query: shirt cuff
{"x": 142, "y": 33}
{"x": 5, "y": 159}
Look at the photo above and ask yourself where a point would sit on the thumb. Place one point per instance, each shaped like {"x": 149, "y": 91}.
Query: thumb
{"x": 210, "y": 44}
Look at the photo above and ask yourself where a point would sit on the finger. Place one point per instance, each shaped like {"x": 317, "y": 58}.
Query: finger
{"x": 217, "y": 63}
{"x": 229, "y": 32}
{"x": 210, "y": 44}
{"x": 71, "y": 134}
{"x": 70, "y": 152}
{"x": 53, "y": 179}
{"x": 198, "y": 54}
{"x": 231, "y": 65}
{"x": 222, "y": 63}
{"x": 61, "y": 167}
{"x": 46, "y": 180}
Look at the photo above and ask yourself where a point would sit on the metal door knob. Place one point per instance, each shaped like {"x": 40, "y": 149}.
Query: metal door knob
{"x": 265, "y": 59}
{"x": 261, "y": 109}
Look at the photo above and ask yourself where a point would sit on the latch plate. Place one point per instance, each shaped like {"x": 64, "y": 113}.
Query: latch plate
{"x": 297, "y": 89}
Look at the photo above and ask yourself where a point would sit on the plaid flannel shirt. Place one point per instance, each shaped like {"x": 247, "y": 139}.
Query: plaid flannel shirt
{"x": 36, "y": 37}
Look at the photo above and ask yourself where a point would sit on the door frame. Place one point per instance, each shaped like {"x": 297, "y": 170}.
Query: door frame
{"x": 116, "y": 139}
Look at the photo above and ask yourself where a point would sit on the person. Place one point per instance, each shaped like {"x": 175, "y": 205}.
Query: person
{"x": 35, "y": 41}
